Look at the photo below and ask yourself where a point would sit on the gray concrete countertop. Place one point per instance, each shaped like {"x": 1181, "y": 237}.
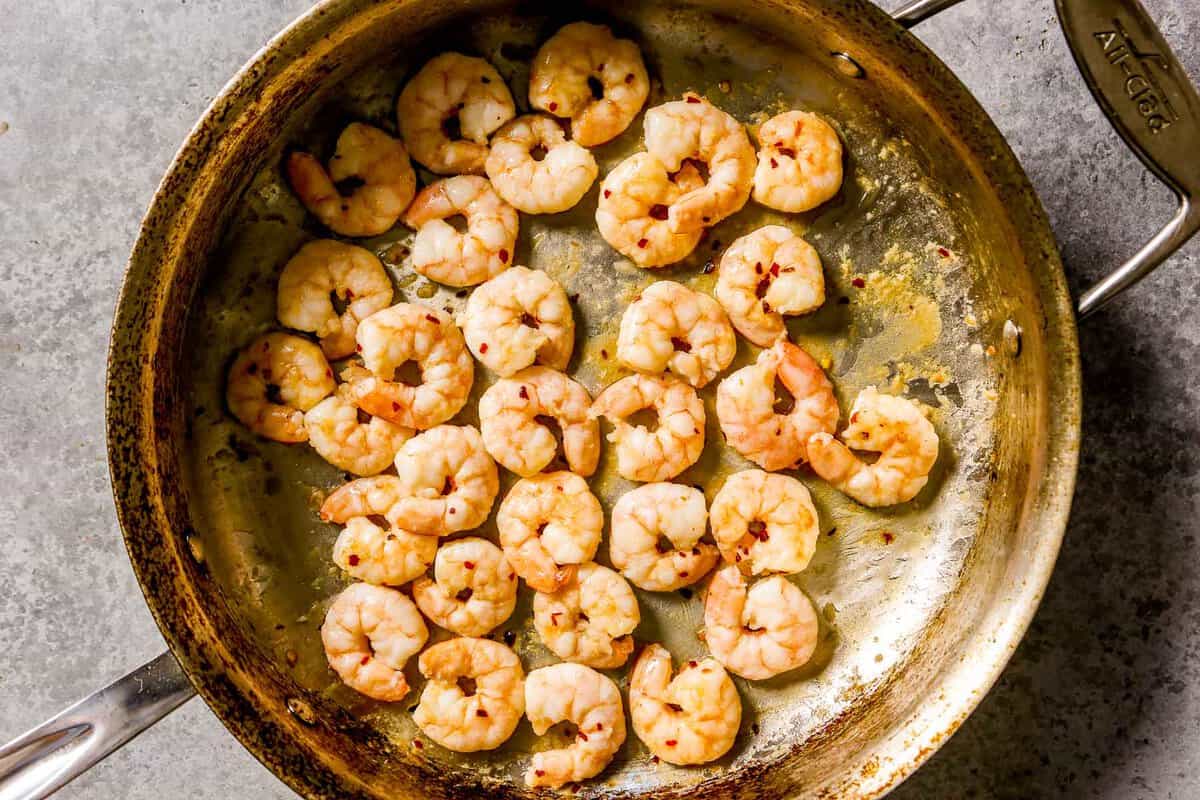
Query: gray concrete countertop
{"x": 1101, "y": 700}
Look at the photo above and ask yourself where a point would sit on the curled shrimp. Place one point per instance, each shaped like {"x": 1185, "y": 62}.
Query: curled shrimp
{"x": 760, "y": 632}
{"x": 799, "y": 162}
{"x": 752, "y": 420}
{"x": 589, "y": 620}
{"x": 320, "y": 271}
{"x": 548, "y": 524}
{"x": 574, "y": 64}
{"x": 674, "y": 444}
{"x": 671, "y": 327}
{"x": 764, "y": 522}
{"x": 547, "y": 185}
{"x": 642, "y": 518}
{"x": 369, "y": 633}
{"x": 382, "y": 554}
{"x": 389, "y": 339}
{"x": 368, "y": 155}
{"x": 895, "y": 428}
{"x": 519, "y": 317}
{"x": 473, "y": 588}
{"x": 440, "y": 252}
{"x": 634, "y": 207}
{"x": 338, "y": 432}
{"x": 514, "y": 414}
{"x": 273, "y": 381}
{"x": 692, "y": 718}
{"x": 765, "y": 275}
{"x": 587, "y": 699}
{"x": 448, "y": 110}
{"x": 483, "y": 719}
{"x": 695, "y": 129}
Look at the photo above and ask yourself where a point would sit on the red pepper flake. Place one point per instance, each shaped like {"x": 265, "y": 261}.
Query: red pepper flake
{"x": 553, "y": 106}
{"x": 358, "y": 348}
{"x": 529, "y": 320}
{"x": 758, "y": 268}
{"x": 691, "y": 98}
{"x": 540, "y": 772}
{"x": 452, "y": 510}
{"x": 760, "y": 291}
{"x": 479, "y": 712}
{"x": 888, "y": 537}
{"x": 469, "y": 564}
{"x": 774, "y": 163}
{"x": 683, "y": 574}
{"x": 692, "y": 664}
{"x": 682, "y": 345}
{"x": 328, "y": 373}
{"x": 417, "y": 743}
{"x": 603, "y": 353}
{"x": 658, "y": 211}
{"x": 643, "y": 242}
{"x": 675, "y": 707}
{"x": 554, "y": 615}
{"x": 831, "y": 531}
{"x": 483, "y": 347}
{"x": 524, "y": 393}
{"x": 433, "y": 319}
{"x": 599, "y": 726}
{"x": 391, "y": 537}
{"x": 671, "y": 742}
{"x": 758, "y": 529}
{"x": 464, "y": 594}
{"x": 859, "y": 283}
{"x": 629, "y": 78}
{"x": 943, "y": 252}
{"x": 503, "y": 256}
{"x": 766, "y": 307}
{"x": 706, "y": 220}
{"x": 349, "y": 295}
{"x": 774, "y": 268}
{"x": 653, "y": 759}
{"x": 511, "y": 575}
{"x": 353, "y": 559}
{"x": 582, "y": 736}
{"x": 787, "y": 151}
{"x": 365, "y": 660}
{"x": 395, "y": 406}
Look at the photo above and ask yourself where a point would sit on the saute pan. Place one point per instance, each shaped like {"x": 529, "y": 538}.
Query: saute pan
{"x": 945, "y": 283}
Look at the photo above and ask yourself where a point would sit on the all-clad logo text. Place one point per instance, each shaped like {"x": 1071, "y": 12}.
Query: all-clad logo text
{"x": 1141, "y": 87}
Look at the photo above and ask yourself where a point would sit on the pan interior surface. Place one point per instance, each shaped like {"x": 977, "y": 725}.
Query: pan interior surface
{"x": 924, "y": 267}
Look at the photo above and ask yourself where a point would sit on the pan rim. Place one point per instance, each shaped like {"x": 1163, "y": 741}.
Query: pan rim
{"x": 164, "y": 581}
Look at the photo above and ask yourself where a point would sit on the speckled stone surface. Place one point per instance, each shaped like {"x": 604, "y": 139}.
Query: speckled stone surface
{"x": 1101, "y": 700}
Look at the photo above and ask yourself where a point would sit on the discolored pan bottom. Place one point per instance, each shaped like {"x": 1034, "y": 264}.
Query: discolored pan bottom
{"x": 881, "y": 578}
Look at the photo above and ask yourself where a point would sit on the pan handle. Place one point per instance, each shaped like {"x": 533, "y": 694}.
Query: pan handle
{"x": 41, "y": 761}
{"x": 1143, "y": 90}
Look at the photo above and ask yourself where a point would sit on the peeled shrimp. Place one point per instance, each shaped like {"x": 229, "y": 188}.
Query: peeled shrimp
{"x": 751, "y": 419}
{"x": 895, "y": 428}
{"x": 592, "y": 702}
{"x": 320, "y": 271}
{"x": 385, "y": 556}
{"x": 571, "y": 65}
{"x": 548, "y": 524}
{"x": 389, "y": 339}
{"x": 519, "y": 317}
{"x": 453, "y": 91}
{"x": 589, "y": 620}
{"x": 799, "y": 162}
{"x": 473, "y": 588}
{"x": 338, "y": 433}
{"x": 695, "y": 129}
{"x": 765, "y": 275}
{"x": 764, "y": 522}
{"x": 771, "y": 628}
{"x": 634, "y": 206}
{"x": 483, "y": 719}
{"x": 369, "y": 633}
{"x": 547, "y": 185}
{"x": 274, "y": 381}
{"x": 671, "y": 327}
{"x": 673, "y": 446}
{"x": 642, "y": 518}
{"x": 368, "y": 155}
{"x": 690, "y": 719}
{"x": 514, "y": 413}
{"x": 440, "y": 252}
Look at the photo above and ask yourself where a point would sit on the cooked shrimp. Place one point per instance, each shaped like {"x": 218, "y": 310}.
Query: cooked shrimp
{"x": 580, "y": 61}
{"x": 369, "y": 633}
{"x": 671, "y": 327}
{"x": 635, "y": 202}
{"x": 799, "y": 162}
{"x": 519, "y": 317}
{"x": 592, "y": 702}
{"x": 548, "y": 184}
{"x": 338, "y": 433}
{"x": 765, "y": 275}
{"x": 274, "y": 381}
{"x": 895, "y": 428}
{"x": 473, "y": 588}
{"x": 691, "y": 719}
{"x": 695, "y": 129}
{"x": 383, "y": 556}
{"x": 376, "y": 162}
{"x": 483, "y": 719}
{"x": 377, "y": 495}
{"x": 389, "y": 339}
{"x": 771, "y": 628}
{"x": 589, "y": 620}
{"x": 440, "y": 252}
{"x": 514, "y": 413}
{"x": 675, "y": 443}
{"x": 548, "y": 524}
{"x": 755, "y": 424}
{"x": 764, "y": 522}
{"x": 448, "y": 110}
{"x": 642, "y": 518}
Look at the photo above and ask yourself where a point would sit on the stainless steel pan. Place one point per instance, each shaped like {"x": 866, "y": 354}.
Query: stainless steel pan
{"x": 963, "y": 304}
